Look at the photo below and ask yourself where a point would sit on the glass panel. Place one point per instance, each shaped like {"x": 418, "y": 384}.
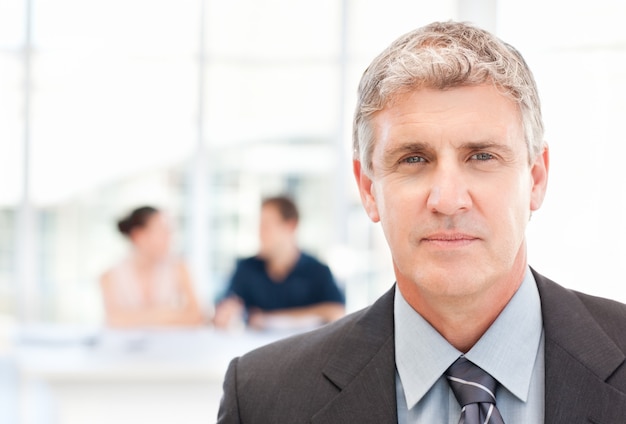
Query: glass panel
{"x": 575, "y": 24}
{"x": 142, "y": 27}
{"x": 12, "y": 23}
{"x": 249, "y": 30}
{"x": 11, "y": 129}
{"x": 373, "y": 25}
{"x": 106, "y": 117}
{"x": 7, "y": 261}
{"x": 11, "y": 170}
{"x": 577, "y": 51}
{"x": 79, "y": 239}
{"x": 115, "y": 95}
{"x": 270, "y": 102}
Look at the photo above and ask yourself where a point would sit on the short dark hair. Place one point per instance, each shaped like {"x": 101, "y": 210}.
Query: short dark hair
{"x": 285, "y": 205}
{"x": 138, "y": 218}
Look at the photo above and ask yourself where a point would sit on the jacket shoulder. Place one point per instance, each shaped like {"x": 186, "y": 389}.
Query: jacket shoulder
{"x": 566, "y": 308}
{"x": 293, "y": 379}
{"x": 609, "y": 314}
{"x": 273, "y": 381}
{"x": 306, "y": 349}
{"x": 585, "y": 355}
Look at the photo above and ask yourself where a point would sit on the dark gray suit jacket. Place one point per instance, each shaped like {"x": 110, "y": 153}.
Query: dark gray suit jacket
{"x": 345, "y": 372}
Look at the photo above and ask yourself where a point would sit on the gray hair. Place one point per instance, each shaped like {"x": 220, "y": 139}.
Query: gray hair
{"x": 444, "y": 55}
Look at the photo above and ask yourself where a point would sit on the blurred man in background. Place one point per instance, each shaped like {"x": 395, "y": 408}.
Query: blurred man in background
{"x": 281, "y": 286}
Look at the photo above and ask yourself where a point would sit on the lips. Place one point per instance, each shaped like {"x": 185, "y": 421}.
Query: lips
{"x": 449, "y": 240}
{"x": 449, "y": 237}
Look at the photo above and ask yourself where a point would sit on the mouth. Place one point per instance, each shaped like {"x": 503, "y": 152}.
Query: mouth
{"x": 450, "y": 239}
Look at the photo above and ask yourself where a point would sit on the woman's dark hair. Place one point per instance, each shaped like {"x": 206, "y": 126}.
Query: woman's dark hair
{"x": 137, "y": 219}
{"x": 285, "y": 206}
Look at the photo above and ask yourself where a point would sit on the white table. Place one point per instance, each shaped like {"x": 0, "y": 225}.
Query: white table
{"x": 91, "y": 376}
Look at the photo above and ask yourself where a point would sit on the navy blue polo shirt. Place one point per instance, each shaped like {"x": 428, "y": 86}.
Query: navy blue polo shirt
{"x": 309, "y": 282}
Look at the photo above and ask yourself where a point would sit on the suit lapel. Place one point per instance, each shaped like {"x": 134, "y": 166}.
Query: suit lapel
{"x": 579, "y": 358}
{"x": 363, "y": 368}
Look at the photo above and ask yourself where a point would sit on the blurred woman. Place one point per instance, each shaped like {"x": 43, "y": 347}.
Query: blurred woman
{"x": 150, "y": 287}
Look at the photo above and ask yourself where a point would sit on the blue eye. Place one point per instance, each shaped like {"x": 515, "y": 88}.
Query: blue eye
{"x": 482, "y": 156}
{"x": 414, "y": 159}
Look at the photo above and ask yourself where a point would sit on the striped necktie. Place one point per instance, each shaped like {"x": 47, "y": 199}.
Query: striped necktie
{"x": 475, "y": 390}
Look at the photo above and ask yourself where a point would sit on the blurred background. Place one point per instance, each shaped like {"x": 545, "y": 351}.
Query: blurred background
{"x": 203, "y": 107}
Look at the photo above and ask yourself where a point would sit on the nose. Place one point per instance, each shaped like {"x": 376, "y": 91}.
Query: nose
{"x": 449, "y": 191}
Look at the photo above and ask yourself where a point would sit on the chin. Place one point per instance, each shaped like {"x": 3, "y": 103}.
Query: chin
{"x": 448, "y": 280}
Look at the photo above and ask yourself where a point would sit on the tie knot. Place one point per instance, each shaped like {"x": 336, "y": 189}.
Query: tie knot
{"x": 470, "y": 383}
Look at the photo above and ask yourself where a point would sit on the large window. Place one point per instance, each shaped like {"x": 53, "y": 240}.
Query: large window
{"x": 203, "y": 107}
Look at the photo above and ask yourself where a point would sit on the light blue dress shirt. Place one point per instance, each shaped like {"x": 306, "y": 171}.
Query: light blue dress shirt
{"x": 512, "y": 351}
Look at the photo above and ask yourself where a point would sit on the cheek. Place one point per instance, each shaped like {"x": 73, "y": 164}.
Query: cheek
{"x": 399, "y": 207}
{"x": 509, "y": 213}
{"x": 160, "y": 239}
{"x": 524, "y": 200}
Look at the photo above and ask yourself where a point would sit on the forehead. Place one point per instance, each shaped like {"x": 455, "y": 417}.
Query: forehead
{"x": 158, "y": 219}
{"x": 270, "y": 210}
{"x": 466, "y": 114}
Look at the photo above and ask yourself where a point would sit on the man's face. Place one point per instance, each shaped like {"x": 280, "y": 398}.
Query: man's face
{"x": 274, "y": 231}
{"x": 453, "y": 189}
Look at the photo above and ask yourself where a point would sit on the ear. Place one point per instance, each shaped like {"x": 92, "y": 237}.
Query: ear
{"x": 365, "y": 190}
{"x": 539, "y": 175}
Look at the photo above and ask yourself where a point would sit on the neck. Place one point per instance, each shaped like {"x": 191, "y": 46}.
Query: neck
{"x": 143, "y": 260}
{"x": 462, "y": 320}
{"x": 281, "y": 261}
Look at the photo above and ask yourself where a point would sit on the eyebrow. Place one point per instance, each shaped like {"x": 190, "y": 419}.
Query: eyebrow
{"x": 470, "y": 145}
{"x": 487, "y": 145}
{"x": 406, "y": 148}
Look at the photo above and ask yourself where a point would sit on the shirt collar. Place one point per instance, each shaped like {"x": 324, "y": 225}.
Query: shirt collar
{"x": 423, "y": 355}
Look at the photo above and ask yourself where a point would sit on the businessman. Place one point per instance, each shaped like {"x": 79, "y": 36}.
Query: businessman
{"x": 449, "y": 157}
